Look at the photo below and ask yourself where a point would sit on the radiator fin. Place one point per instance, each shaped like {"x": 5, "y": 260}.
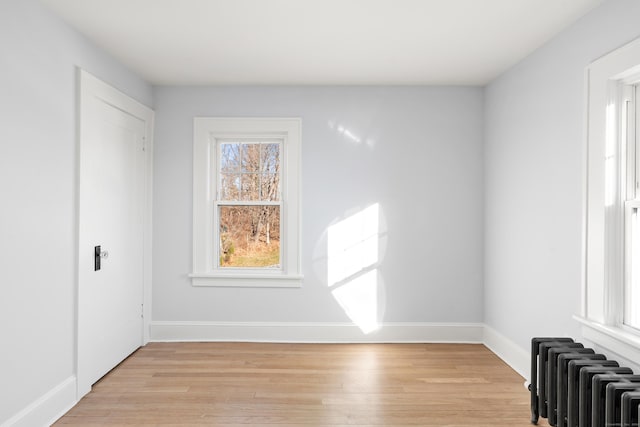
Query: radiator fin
{"x": 573, "y": 386}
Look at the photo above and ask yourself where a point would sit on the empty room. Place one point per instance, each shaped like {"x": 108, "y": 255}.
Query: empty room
{"x": 319, "y": 213}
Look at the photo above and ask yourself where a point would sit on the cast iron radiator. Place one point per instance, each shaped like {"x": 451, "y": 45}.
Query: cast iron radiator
{"x": 573, "y": 386}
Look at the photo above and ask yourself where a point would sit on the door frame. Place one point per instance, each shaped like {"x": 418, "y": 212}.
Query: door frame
{"x": 89, "y": 86}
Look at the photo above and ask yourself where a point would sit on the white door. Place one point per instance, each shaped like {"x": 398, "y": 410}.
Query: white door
{"x": 111, "y": 216}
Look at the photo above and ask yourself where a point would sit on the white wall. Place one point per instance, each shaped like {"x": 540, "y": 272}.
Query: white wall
{"x": 38, "y": 198}
{"x": 420, "y": 158}
{"x": 534, "y": 149}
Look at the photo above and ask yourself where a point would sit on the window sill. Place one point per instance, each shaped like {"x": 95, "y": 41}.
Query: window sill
{"x": 240, "y": 280}
{"x": 615, "y": 339}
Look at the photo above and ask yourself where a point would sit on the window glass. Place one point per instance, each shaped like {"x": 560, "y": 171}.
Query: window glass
{"x": 249, "y": 234}
{"x": 632, "y": 288}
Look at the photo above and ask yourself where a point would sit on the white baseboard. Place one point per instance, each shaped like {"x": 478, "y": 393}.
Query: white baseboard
{"x": 48, "y": 408}
{"x": 508, "y": 351}
{"x": 476, "y": 333}
{"x": 315, "y": 332}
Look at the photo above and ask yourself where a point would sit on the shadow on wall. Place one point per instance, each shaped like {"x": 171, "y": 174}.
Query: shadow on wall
{"x": 355, "y": 247}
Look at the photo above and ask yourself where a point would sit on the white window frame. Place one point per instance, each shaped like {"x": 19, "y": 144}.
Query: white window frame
{"x": 631, "y": 203}
{"x": 609, "y": 170}
{"x": 209, "y": 130}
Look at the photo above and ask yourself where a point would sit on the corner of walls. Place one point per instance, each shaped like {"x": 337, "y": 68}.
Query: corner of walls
{"x": 533, "y": 182}
{"x": 47, "y": 408}
{"x": 508, "y": 351}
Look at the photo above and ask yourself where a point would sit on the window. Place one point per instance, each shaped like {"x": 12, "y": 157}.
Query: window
{"x": 631, "y": 292}
{"x": 611, "y": 306}
{"x": 246, "y": 202}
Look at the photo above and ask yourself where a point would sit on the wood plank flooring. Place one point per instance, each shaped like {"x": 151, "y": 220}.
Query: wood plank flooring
{"x": 250, "y": 384}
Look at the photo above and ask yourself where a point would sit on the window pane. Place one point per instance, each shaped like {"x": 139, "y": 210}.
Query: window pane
{"x": 270, "y": 187}
{"x": 270, "y": 168}
{"x": 249, "y": 171}
{"x": 249, "y": 236}
{"x": 250, "y": 187}
{"x": 229, "y": 157}
{"x": 230, "y": 185}
{"x": 632, "y": 291}
{"x": 270, "y": 158}
{"x": 251, "y": 158}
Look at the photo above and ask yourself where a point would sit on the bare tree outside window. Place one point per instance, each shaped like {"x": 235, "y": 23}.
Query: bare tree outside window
{"x": 249, "y": 204}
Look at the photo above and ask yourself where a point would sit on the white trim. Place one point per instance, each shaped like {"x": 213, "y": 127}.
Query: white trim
{"x": 148, "y": 228}
{"x": 247, "y": 280}
{"x": 47, "y": 408}
{"x": 585, "y": 203}
{"x": 611, "y": 338}
{"x": 316, "y": 332}
{"x": 510, "y": 353}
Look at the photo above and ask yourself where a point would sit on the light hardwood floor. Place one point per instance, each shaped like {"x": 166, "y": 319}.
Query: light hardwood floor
{"x": 241, "y": 384}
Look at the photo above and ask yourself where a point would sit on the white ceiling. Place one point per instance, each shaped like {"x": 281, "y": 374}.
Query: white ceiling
{"x": 396, "y": 42}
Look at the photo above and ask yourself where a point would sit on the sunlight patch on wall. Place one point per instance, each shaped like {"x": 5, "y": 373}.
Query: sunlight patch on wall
{"x": 352, "y": 259}
{"x": 359, "y": 300}
{"x": 353, "y": 244}
{"x": 350, "y": 134}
